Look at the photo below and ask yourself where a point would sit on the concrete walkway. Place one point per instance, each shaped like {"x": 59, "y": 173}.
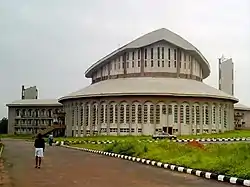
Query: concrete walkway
{"x": 70, "y": 168}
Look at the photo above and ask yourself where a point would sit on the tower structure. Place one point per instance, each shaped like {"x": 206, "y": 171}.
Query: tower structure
{"x": 226, "y": 75}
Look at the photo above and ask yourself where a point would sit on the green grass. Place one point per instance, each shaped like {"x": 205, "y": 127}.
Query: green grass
{"x": 230, "y": 159}
{"x": 103, "y": 138}
{"x": 17, "y": 136}
{"x": 229, "y": 134}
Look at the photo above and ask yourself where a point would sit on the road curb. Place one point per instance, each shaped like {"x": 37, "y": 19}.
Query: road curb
{"x": 208, "y": 140}
{"x": 199, "y": 173}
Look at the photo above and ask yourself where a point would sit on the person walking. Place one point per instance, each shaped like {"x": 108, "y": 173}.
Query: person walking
{"x": 39, "y": 150}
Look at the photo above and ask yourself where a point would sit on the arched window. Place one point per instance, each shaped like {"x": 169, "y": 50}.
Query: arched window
{"x": 181, "y": 114}
{"x": 139, "y": 114}
{"x": 198, "y": 117}
{"x": 102, "y": 113}
{"x": 127, "y": 113}
{"x": 81, "y": 114}
{"x": 193, "y": 114}
{"x": 111, "y": 113}
{"x": 116, "y": 113}
{"x": 106, "y": 114}
{"x": 214, "y": 119}
{"x": 133, "y": 113}
{"x": 86, "y": 114}
{"x": 157, "y": 111}
{"x": 206, "y": 115}
{"x": 175, "y": 114}
{"x": 122, "y": 113}
{"x": 145, "y": 112}
{"x": 151, "y": 114}
{"x": 225, "y": 116}
{"x": 187, "y": 115}
{"x": 220, "y": 114}
{"x": 94, "y": 114}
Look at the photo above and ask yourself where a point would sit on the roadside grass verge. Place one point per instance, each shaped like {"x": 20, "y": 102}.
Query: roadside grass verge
{"x": 17, "y": 136}
{"x": 103, "y": 138}
{"x": 228, "y": 134}
{"x": 228, "y": 159}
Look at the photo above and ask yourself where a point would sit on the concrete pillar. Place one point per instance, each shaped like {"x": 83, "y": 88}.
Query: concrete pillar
{"x": 217, "y": 120}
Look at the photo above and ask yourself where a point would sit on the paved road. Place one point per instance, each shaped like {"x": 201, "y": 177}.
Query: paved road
{"x": 65, "y": 167}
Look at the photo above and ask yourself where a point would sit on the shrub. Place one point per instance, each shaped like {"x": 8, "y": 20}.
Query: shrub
{"x": 130, "y": 148}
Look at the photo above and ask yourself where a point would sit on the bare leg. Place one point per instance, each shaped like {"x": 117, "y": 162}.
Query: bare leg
{"x": 36, "y": 161}
{"x": 39, "y": 162}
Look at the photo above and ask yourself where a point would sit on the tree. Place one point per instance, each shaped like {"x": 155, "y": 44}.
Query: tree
{"x": 4, "y": 126}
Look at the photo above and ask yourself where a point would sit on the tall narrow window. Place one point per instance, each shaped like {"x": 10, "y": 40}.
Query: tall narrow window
{"x": 127, "y": 114}
{"x": 152, "y": 63}
{"x": 158, "y": 52}
{"x": 128, "y": 56}
{"x": 225, "y": 117}
{"x": 146, "y": 53}
{"x": 139, "y": 114}
{"x": 121, "y": 113}
{"x": 94, "y": 115}
{"x": 197, "y": 114}
{"x": 145, "y": 111}
{"x": 162, "y": 53}
{"x": 116, "y": 113}
{"x": 175, "y": 114}
{"x": 106, "y": 114}
{"x": 214, "y": 112}
{"x": 133, "y": 113}
{"x": 86, "y": 115}
{"x": 139, "y": 64}
{"x": 151, "y": 114}
{"x": 180, "y": 55}
{"x": 193, "y": 114}
{"x": 206, "y": 113}
{"x": 139, "y": 54}
{"x": 152, "y": 53}
{"x": 133, "y": 55}
{"x": 169, "y": 54}
{"x": 187, "y": 114}
{"x": 111, "y": 113}
{"x": 145, "y": 63}
{"x": 185, "y": 57}
{"x": 181, "y": 114}
{"x": 175, "y": 54}
{"x": 81, "y": 115}
{"x": 157, "y": 111}
{"x": 102, "y": 114}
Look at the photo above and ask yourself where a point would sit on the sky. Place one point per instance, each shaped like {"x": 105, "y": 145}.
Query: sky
{"x": 50, "y": 44}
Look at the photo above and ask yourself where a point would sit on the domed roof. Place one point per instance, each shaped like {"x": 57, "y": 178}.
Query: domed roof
{"x": 149, "y": 86}
{"x": 153, "y": 37}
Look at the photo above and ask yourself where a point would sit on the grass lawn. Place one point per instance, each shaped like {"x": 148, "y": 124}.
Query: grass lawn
{"x": 229, "y": 134}
{"x": 17, "y": 136}
{"x": 230, "y": 159}
{"x": 104, "y": 138}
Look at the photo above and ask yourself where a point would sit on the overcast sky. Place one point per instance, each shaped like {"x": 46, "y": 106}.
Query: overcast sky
{"x": 50, "y": 43}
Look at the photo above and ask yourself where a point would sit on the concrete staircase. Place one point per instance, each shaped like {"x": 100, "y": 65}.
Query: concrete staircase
{"x": 51, "y": 128}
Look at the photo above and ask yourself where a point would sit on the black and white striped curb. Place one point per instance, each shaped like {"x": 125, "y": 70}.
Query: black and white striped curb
{"x": 83, "y": 142}
{"x": 199, "y": 173}
{"x": 211, "y": 140}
